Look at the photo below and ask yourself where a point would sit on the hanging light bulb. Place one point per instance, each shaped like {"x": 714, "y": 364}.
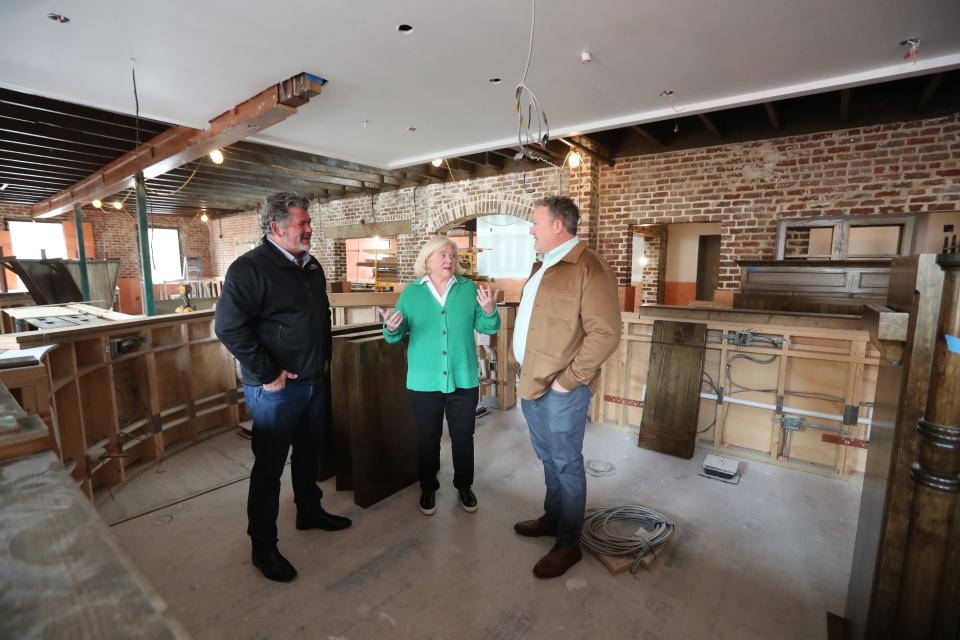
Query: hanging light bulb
{"x": 97, "y": 204}
{"x": 217, "y": 156}
{"x": 204, "y": 217}
{"x": 574, "y": 159}
{"x": 437, "y": 162}
{"x": 117, "y": 204}
{"x": 676, "y": 126}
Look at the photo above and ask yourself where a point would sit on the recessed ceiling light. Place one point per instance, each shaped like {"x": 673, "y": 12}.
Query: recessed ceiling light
{"x": 58, "y": 18}
{"x": 404, "y": 28}
{"x": 494, "y": 80}
{"x": 411, "y": 129}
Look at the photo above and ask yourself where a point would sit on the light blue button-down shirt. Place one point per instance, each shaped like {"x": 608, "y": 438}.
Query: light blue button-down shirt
{"x": 525, "y": 310}
{"x": 292, "y": 258}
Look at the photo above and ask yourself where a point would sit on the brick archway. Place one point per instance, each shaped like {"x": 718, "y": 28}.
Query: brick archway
{"x": 489, "y": 204}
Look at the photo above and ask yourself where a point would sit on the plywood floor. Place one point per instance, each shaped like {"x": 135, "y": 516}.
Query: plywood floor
{"x": 763, "y": 559}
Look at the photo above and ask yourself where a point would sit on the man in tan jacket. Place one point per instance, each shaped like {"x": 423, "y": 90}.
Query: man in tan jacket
{"x": 568, "y": 323}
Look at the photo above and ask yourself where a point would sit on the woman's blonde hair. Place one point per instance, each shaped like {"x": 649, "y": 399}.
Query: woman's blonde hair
{"x": 428, "y": 249}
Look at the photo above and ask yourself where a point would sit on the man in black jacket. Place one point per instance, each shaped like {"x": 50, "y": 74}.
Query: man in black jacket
{"x": 274, "y": 317}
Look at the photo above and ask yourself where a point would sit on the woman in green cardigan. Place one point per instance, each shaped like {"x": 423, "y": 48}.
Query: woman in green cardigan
{"x": 439, "y": 311}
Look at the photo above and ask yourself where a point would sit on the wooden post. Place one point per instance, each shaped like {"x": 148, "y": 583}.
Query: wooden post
{"x": 930, "y": 587}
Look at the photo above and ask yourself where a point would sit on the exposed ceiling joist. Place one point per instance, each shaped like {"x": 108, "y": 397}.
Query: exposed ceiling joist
{"x": 297, "y": 160}
{"x": 589, "y": 149}
{"x": 772, "y": 115}
{"x": 178, "y": 145}
{"x": 845, "y": 96}
{"x": 929, "y": 89}
{"x": 646, "y": 135}
{"x": 711, "y": 126}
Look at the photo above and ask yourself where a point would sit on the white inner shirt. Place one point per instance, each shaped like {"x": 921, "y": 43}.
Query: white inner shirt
{"x": 442, "y": 299}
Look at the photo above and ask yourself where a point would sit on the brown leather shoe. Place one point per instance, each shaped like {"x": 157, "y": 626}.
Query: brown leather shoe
{"x": 536, "y": 528}
{"x": 556, "y": 563}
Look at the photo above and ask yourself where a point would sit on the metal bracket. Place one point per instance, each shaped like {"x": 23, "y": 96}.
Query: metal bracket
{"x": 791, "y": 423}
{"x": 157, "y": 421}
{"x": 232, "y": 396}
{"x": 779, "y": 404}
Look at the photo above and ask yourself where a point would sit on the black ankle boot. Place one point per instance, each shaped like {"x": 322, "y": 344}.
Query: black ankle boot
{"x": 272, "y": 565}
{"x": 317, "y": 518}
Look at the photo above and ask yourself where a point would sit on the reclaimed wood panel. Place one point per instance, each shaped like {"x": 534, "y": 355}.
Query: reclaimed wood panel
{"x": 672, "y": 404}
{"x": 375, "y": 438}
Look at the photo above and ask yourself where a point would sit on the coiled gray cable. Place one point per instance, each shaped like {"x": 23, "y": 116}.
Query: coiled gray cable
{"x": 600, "y": 534}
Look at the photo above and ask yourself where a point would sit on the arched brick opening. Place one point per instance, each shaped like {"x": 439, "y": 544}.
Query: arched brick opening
{"x": 488, "y": 204}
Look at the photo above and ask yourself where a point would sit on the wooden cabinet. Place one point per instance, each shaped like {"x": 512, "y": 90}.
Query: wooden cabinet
{"x": 130, "y": 392}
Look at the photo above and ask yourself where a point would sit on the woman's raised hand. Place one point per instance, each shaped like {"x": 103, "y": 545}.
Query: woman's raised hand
{"x": 485, "y": 299}
{"x": 392, "y": 320}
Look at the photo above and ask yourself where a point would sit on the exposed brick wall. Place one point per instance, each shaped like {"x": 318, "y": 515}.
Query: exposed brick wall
{"x": 229, "y": 237}
{"x": 115, "y": 236}
{"x": 14, "y": 210}
{"x": 893, "y": 168}
{"x": 746, "y": 187}
{"x": 654, "y": 273}
{"x": 421, "y": 203}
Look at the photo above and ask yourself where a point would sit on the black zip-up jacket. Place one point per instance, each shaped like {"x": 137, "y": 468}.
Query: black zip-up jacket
{"x": 273, "y": 316}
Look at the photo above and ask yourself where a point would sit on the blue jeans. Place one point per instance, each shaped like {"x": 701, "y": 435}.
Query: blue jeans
{"x": 293, "y": 416}
{"x": 557, "y": 422}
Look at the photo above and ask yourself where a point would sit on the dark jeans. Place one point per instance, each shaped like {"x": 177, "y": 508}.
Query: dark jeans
{"x": 557, "y": 422}
{"x": 428, "y": 409}
{"x": 293, "y": 416}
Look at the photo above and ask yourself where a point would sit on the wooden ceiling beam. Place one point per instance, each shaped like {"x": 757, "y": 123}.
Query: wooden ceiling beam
{"x": 845, "y": 95}
{"x": 33, "y": 144}
{"x": 929, "y": 89}
{"x": 270, "y": 175}
{"x": 44, "y": 134}
{"x": 590, "y": 147}
{"x": 772, "y": 115}
{"x": 30, "y": 157}
{"x": 179, "y": 145}
{"x": 15, "y": 116}
{"x": 711, "y": 126}
{"x": 71, "y": 110}
{"x": 254, "y": 152}
{"x": 646, "y": 135}
{"x": 248, "y": 194}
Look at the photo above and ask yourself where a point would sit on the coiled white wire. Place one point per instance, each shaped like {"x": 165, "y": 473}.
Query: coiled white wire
{"x": 601, "y": 534}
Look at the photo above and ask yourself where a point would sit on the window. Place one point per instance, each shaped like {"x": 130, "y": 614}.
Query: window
{"x": 507, "y": 247}
{"x": 165, "y": 254}
{"x": 366, "y": 254}
{"x": 845, "y": 238}
{"x": 29, "y": 238}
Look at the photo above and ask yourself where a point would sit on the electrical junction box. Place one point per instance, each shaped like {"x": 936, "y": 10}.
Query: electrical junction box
{"x": 723, "y": 469}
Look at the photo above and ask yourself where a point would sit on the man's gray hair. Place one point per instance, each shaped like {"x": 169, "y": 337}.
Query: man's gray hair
{"x": 563, "y": 208}
{"x": 277, "y": 209}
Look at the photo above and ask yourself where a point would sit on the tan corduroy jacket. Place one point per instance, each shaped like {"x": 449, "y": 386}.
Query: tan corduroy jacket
{"x": 575, "y": 324}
